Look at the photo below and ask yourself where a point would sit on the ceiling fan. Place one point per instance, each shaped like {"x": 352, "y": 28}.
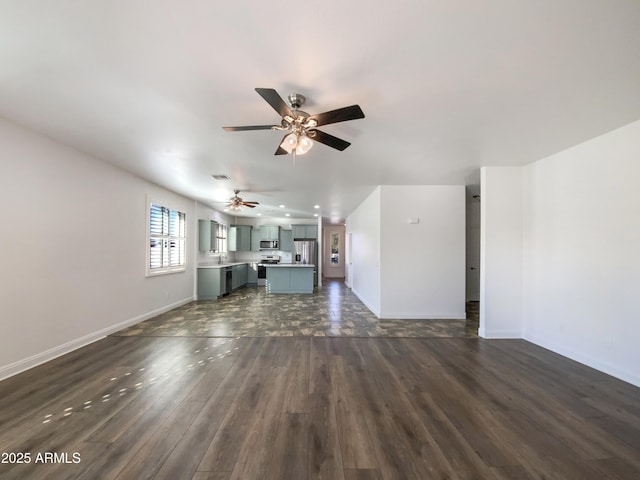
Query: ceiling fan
{"x": 236, "y": 203}
{"x": 301, "y": 126}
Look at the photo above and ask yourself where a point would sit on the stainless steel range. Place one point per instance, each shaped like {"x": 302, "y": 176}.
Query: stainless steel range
{"x": 266, "y": 260}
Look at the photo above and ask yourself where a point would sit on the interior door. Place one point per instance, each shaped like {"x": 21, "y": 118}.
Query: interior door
{"x": 473, "y": 264}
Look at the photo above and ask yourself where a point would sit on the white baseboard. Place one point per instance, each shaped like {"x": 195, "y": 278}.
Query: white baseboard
{"x": 496, "y": 334}
{"x": 48, "y": 355}
{"x": 411, "y": 316}
{"x": 424, "y": 316}
{"x": 632, "y": 377}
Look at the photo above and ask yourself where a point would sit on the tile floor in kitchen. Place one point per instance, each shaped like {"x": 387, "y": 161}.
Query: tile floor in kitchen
{"x": 331, "y": 311}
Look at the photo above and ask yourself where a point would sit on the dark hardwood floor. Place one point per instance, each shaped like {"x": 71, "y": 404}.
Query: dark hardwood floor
{"x": 318, "y": 408}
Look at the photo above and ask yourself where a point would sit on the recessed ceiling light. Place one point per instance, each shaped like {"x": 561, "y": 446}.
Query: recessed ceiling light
{"x": 316, "y": 206}
{"x": 287, "y": 214}
{"x": 315, "y": 214}
{"x": 281, "y": 206}
{"x": 258, "y": 214}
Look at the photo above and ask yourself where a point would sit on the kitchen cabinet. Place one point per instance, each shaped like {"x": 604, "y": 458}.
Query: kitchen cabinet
{"x": 212, "y": 279}
{"x": 312, "y": 232}
{"x": 307, "y": 232}
{"x": 293, "y": 279}
{"x": 207, "y": 233}
{"x": 270, "y": 232}
{"x": 286, "y": 240}
{"x": 211, "y": 283}
{"x": 239, "y": 276}
{"x": 255, "y": 239}
{"x": 252, "y": 273}
{"x": 239, "y": 238}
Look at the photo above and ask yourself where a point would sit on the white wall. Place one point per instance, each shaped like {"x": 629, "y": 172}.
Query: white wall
{"x": 364, "y": 271}
{"x": 501, "y": 252}
{"x": 402, "y": 270}
{"x": 582, "y": 253}
{"x": 74, "y": 236}
{"x": 422, "y": 264}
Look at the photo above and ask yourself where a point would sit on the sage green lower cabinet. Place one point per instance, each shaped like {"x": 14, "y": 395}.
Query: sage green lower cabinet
{"x": 238, "y": 276}
{"x": 295, "y": 279}
{"x": 211, "y": 283}
{"x": 252, "y": 273}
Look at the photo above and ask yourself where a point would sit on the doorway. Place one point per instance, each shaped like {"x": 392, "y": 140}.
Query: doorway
{"x": 473, "y": 243}
{"x": 472, "y": 224}
{"x": 333, "y": 255}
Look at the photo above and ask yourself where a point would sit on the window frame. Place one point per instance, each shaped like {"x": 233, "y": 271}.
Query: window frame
{"x": 167, "y": 236}
{"x": 222, "y": 235}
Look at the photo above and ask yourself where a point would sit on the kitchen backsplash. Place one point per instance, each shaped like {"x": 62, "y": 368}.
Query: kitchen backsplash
{"x": 229, "y": 257}
{"x": 285, "y": 257}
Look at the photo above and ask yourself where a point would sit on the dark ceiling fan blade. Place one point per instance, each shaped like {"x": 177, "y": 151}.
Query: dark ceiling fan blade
{"x": 280, "y": 150}
{"x": 247, "y": 205}
{"x": 275, "y": 100}
{"x": 254, "y": 203}
{"x": 248, "y": 127}
{"x": 352, "y": 112}
{"x": 330, "y": 140}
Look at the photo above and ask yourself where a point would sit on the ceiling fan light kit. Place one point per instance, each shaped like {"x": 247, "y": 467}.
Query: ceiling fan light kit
{"x": 301, "y": 126}
{"x": 299, "y": 143}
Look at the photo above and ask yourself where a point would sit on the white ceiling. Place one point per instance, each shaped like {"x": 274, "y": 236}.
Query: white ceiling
{"x": 446, "y": 87}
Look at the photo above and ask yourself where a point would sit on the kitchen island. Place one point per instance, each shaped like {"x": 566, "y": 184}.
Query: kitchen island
{"x": 290, "y": 278}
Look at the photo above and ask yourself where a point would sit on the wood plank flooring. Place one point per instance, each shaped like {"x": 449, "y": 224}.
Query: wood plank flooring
{"x": 318, "y": 408}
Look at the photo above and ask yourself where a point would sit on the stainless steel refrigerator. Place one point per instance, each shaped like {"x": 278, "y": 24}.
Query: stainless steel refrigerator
{"x": 306, "y": 252}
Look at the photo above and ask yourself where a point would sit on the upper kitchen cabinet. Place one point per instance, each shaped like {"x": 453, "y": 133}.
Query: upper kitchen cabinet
{"x": 207, "y": 233}
{"x": 286, "y": 240}
{"x": 306, "y": 232}
{"x": 255, "y": 239}
{"x": 270, "y": 232}
{"x": 239, "y": 238}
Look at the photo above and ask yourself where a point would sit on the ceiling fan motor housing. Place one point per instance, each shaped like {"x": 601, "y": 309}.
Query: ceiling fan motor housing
{"x": 296, "y": 100}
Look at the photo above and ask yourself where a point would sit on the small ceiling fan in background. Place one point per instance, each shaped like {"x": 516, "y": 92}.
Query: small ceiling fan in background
{"x": 301, "y": 126}
{"x": 236, "y": 203}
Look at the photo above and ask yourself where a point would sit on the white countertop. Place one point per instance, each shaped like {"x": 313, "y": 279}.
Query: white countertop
{"x": 291, "y": 265}
{"x": 221, "y": 265}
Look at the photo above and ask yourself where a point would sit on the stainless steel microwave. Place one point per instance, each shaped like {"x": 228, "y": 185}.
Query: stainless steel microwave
{"x": 268, "y": 245}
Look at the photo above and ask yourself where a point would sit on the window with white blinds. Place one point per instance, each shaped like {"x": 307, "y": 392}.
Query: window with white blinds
{"x": 166, "y": 240}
